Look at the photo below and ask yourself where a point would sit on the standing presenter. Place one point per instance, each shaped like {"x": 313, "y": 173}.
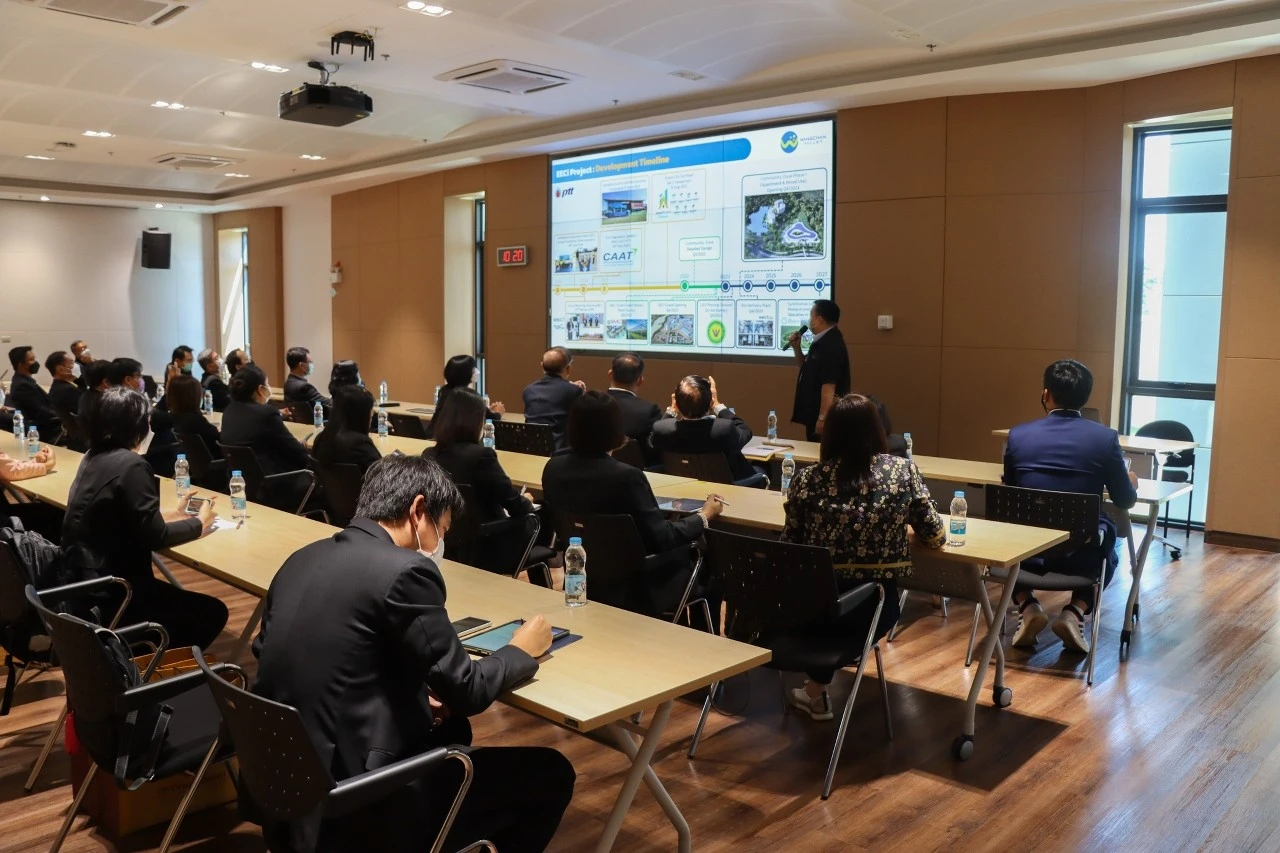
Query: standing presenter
{"x": 824, "y": 372}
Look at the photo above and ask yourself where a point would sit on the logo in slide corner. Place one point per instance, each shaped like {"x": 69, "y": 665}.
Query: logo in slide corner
{"x": 790, "y": 142}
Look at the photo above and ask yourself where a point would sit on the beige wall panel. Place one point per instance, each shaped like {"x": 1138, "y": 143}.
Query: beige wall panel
{"x": 1100, "y": 282}
{"x": 380, "y": 213}
{"x": 1241, "y": 489}
{"x": 1252, "y": 297}
{"x": 345, "y": 210}
{"x": 422, "y": 207}
{"x": 892, "y": 151}
{"x": 1256, "y": 151}
{"x": 1208, "y": 87}
{"x": 516, "y": 193}
{"x": 1103, "y": 137}
{"x": 908, "y": 380}
{"x": 464, "y": 181}
{"x": 1018, "y": 142}
{"x": 419, "y": 288}
{"x": 346, "y": 304}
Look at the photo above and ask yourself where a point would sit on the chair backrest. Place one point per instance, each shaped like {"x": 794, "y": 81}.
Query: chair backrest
{"x": 1073, "y": 512}
{"x": 197, "y": 453}
{"x": 302, "y": 413}
{"x": 630, "y": 454}
{"x": 711, "y": 467}
{"x": 73, "y": 428}
{"x": 771, "y": 587}
{"x": 1092, "y": 414}
{"x": 1171, "y": 431}
{"x": 19, "y": 622}
{"x": 279, "y": 766}
{"x": 341, "y": 484}
{"x": 496, "y": 546}
{"x": 460, "y": 543}
{"x": 615, "y": 558}
{"x": 244, "y": 460}
{"x": 407, "y": 426}
{"x": 534, "y": 439}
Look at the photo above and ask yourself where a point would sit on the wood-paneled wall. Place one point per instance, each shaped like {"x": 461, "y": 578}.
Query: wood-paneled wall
{"x": 990, "y": 226}
{"x": 266, "y": 284}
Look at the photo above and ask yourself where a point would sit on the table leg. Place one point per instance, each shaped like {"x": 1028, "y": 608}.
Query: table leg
{"x": 640, "y": 769}
{"x": 246, "y": 636}
{"x": 1126, "y": 634}
{"x": 962, "y": 747}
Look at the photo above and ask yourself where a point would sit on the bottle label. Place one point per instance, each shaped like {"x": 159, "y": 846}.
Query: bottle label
{"x": 575, "y": 586}
{"x": 959, "y": 526}
{"x": 239, "y": 503}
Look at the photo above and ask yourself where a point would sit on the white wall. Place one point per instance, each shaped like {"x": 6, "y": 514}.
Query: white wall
{"x": 73, "y": 271}
{"x": 308, "y": 307}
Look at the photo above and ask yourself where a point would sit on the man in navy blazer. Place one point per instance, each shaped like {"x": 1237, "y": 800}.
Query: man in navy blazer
{"x": 547, "y": 400}
{"x": 1065, "y": 452}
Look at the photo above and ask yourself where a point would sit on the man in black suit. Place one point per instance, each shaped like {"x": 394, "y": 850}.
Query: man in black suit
{"x": 824, "y": 372}
{"x": 29, "y": 398}
{"x": 84, "y": 359}
{"x": 297, "y": 388}
{"x": 638, "y": 415}
{"x": 161, "y": 451}
{"x": 698, "y": 422}
{"x": 547, "y": 400}
{"x": 64, "y": 393}
{"x": 211, "y": 381}
{"x": 387, "y": 678}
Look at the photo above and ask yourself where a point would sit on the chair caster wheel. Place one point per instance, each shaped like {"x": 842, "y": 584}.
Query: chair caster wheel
{"x": 1125, "y": 637}
{"x": 1137, "y": 611}
{"x": 1175, "y": 555}
{"x": 962, "y": 747}
{"x": 1001, "y": 697}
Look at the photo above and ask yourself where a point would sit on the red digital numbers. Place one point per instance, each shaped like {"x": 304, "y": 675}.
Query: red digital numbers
{"x": 512, "y": 256}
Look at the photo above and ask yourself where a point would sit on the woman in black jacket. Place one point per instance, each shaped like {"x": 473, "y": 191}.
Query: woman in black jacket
{"x": 460, "y": 373}
{"x": 251, "y": 421}
{"x": 344, "y": 373}
{"x": 114, "y": 512}
{"x": 459, "y": 451}
{"x": 345, "y": 439}
{"x": 185, "y": 394}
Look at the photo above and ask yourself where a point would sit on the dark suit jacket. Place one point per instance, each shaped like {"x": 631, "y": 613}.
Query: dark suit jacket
{"x": 726, "y": 433}
{"x": 345, "y": 447}
{"x": 638, "y": 417}
{"x": 445, "y": 391}
{"x": 299, "y": 390}
{"x": 262, "y": 428}
{"x": 478, "y": 467}
{"x": 28, "y": 397}
{"x": 213, "y": 383}
{"x": 601, "y": 485}
{"x": 547, "y": 401}
{"x": 86, "y": 403}
{"x": 65, "y": 397}
{"x": 114, "y": 510}
{"x": 355, "y": 651}
{"x": 195, "y": 424}
{"x": 826, "y": 363}
{"x": 1065, "y": 452}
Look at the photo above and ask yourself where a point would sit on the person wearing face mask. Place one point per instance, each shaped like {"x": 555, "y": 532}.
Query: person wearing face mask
{"x": 115, "y": 512}
{"x": 298, "y": 389}
{"x": 408, "y": 686}
{"x": 211, "y": 379}
{"x": 162, "y": 446}
{"x": 345, "y": 372}
{"x": 26, "y": 396}
{"x": 459, "y": 451}
{"x": 64, "y": 393}
{"x": 96, "y": 381}
{"x": 251, "y": 421}
{"x": 84, "y": 360}
{"x": 460, "y": 372}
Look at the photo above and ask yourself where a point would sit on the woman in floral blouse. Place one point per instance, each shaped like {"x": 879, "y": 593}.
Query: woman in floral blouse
{"x": 857, "y": 502}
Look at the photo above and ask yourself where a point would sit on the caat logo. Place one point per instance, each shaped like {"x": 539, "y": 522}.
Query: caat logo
{"x": 790, "y": 142}
{"x": 564, "y": 193}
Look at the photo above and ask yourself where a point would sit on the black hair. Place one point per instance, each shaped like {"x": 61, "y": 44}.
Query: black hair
{"x": 246, "y": 382}
{"x": 18, "y": 355}
{"x": 459, "y": 422}
{"x": 296, "y": 356}
{"x": 119, "y": 419}
{"x": 235, "y": 359}
{"x": 122, "y": 368}
{"x": 595, "y": 424}
{"x": 693, "y": 397}
{"x": 97, "y": 371}
{"x": 827, "y": 310}
{"x": 458, "y": 370}
{"x": 352, "y": 409}
{"x": 852, "y": 437}
{"x": 1070, "y": 383}
{"x": 184, "y": 394}
{"x": 393, "y": 483}
{"x": 345, "y": 372}
{"x": 181, "y": 353}
{"x": 55, "y": 360}
{"x": 628, "y": 368}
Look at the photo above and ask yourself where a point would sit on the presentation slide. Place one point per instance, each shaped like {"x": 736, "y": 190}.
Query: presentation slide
{"x": 715, "y": 245}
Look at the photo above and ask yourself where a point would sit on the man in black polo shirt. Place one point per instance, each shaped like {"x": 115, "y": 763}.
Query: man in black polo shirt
{"x": 824, "y": 372}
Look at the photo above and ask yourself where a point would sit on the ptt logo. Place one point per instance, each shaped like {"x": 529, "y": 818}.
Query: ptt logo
{"x": 790, "y": 142}
{"x": 564, "y": 193}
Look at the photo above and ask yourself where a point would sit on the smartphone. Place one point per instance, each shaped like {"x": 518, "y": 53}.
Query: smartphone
{"x": 470, "y": 624}
{"x": 194, "y": 505}
{"x": 488, "y": 642}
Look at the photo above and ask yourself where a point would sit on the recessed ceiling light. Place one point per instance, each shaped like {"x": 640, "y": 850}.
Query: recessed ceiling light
{"x": 235, "y": 175}
{"x": 165, "y": 105}
{"x": 424, "y": 8}
{"x": 159, "y": 206}
{"x": 311, "y": 157}
{"x": 44, "y": 198}
{"x": 100, "y": 134}
{"x": 262, "y": 66}
{"x": 38, "y": 157}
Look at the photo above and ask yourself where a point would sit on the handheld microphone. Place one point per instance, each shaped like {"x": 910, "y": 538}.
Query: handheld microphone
{"x": 799, "y": 333}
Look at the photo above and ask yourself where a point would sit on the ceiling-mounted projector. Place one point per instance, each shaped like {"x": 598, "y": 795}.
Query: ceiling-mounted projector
{"x": 324, "y": 103}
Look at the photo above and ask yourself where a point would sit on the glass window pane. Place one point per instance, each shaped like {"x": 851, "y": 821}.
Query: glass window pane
{"x": 1197, "y": 415}
{"x": 1191, "y": 163}
{"x": 1182, "y": 255}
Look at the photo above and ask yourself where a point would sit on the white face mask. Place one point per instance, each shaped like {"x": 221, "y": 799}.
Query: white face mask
{"x": 475, "y": 376}
{"x": 146, "y": 443}
{"x": 435, "y": 555}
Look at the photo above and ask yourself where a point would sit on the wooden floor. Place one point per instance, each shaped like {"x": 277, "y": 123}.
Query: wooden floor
{"x": 1179, "y": 749}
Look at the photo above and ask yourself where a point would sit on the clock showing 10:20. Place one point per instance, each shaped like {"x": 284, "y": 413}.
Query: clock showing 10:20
{"x": 513, "y": 256}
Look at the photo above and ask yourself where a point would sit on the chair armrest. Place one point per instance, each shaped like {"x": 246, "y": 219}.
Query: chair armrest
{"x": 158, "y": 649}
{"x": 285, "y": 475}
{"x": 375, "y": 785}
{"x": 80, "y": 589}
{"x": 849, "y": 601}
{"x": 155, "y": 692}
{"x": 756, "y": 480}
{"x": 543, "y": 574}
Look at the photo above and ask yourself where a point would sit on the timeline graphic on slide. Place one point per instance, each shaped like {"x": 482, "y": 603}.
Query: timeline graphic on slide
{"x": 715, "y": 245}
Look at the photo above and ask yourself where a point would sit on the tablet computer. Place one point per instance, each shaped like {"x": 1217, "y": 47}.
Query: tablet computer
{"x": 488, "y": 642}
{"x": 680, "y": 504}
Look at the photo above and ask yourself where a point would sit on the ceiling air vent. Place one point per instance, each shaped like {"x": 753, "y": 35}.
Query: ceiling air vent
{"x": 137, "y": 13}
{"x": 503, "y": 75}
{"x": 193, "y": 161}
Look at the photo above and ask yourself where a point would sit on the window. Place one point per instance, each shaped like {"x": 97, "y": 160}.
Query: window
{"x": 479, "y": 307}
{"x": 1176, "y": 250}
{"x": 233, "y": 289}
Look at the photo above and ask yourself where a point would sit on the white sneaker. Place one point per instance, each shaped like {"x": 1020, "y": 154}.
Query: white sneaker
{"x": 1070, "y": 628}
{"x": 818, "y": 709}
{"x": 1031, "y": 621}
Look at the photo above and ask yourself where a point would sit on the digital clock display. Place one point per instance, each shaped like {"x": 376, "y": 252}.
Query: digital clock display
{"x": 513, "y": 256}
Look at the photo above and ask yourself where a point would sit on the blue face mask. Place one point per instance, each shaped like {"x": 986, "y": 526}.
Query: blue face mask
{"x": 310, "y": 368}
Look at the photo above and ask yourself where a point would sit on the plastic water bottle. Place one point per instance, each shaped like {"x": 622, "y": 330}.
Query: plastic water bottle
{"x": 906, "y": 436}
{"x": 575, "y": 574}
{"x": 773, "y": 425}
{"x": 208, "y": 402}
{"x": 383, "y": 430}
{"x": 788, "y": 471}
{"x": 959, "y": 520}
{"x": 20, "y": 429}
{"x": 486, "y": 402}
{"x": 317, "y": 417}
{"x": 182, "y": 476}
{"x": 33, "y": 442}
{"x": 382, "y": 393}
{"x": 487, "y": 437}
{"x": 239, "y": 501}
{"x": 1, "y": 398}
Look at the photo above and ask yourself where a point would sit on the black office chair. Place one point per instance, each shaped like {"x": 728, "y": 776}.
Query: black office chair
{"x": 206, "y": 472}
{"x": 1089, "y": 413}
{"x": 775, "y": 593}
{"x": 1070, "y": 511}
{"x": 302, "y": 413}
{"x": 407, "y": 426}
{"x": 273, "y": 490}
{"x": 74, "y": 435}
{"x": 534, "y": 439}
{"x": 341, "y": 484}
{"x": 623, "y": 575}
{"x": 139, "y": 731}
{"x": 283, "y": 774}
{"x": 631, "y": 454}
{"x": 1177, "y": 468}
{"x": 504, "y": 546}
{"x": 711, "y": 467}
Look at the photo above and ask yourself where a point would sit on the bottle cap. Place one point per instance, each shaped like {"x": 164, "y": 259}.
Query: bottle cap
{"x": 787, "y": 456}
{"x": 959, "y": 493}
{"x": 182, "y": 456}
{"x": 236, "y": 474}
{"x": 489, "y": 421}
{"x": 575, "y": 540}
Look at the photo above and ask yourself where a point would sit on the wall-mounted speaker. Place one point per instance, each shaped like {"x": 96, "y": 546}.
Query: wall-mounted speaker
{"x": 155, "y": 250}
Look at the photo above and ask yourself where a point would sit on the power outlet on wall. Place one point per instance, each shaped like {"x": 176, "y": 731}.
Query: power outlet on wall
{"x": 6, "y": 339}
